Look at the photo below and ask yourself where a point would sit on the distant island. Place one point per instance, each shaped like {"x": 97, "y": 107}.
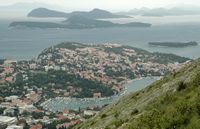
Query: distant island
{"x": 93, "y": 14}
{"x": 33, "y": 24}
{"x": 79, "y": 21}
{"x": 160, "y": 12}
{"x": 43, "y": 13}
{"x": 173, "y": 44}
{"x": 76, "y": 22}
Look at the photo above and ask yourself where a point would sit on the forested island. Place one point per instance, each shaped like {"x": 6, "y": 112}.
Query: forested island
{"x": 93, "y": 14}
{"x": 173, "y": 44}
{"x": 76, "y": 22}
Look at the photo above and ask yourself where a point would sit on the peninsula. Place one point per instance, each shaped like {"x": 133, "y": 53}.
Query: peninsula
{"x": 73, "y": 71}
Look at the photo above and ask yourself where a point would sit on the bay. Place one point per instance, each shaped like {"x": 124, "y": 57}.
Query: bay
{"x": 59, "y": 104}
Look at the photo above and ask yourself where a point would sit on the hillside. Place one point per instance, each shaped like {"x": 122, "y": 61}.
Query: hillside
{"x": 81, "y": 70}
{"x": 109, "y": 64}
{"x": 43, "y": 12}
{"x": 98, "y": 14}
{"x": 170, "y": 103}
{"x": 79, "y": 21}
{"x": 94, "y": 14}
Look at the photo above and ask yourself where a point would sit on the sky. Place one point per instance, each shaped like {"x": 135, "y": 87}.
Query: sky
{"x": 20, "y": 8}
{"x": 115, "y": 5}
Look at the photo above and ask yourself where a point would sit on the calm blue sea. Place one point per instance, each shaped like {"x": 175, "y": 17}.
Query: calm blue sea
{"x": 28, "y": 43}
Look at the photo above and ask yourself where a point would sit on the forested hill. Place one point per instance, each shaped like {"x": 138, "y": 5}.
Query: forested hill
{"x": 75, "y": 22}
{"x": 170, "y": 103}
{"x": 93, "y": 14}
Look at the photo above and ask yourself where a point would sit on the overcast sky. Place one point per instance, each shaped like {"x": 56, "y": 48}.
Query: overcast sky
{"x": 107, "y": 4}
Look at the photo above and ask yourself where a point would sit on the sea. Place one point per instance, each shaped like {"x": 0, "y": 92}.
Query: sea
{"x": 25, "y": 44}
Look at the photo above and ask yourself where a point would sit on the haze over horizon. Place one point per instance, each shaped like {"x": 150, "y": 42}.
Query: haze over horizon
{"x": 20, "y": 8}
{"x": 111, "y": 5}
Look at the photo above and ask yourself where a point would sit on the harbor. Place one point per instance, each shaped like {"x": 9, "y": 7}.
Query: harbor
{"x": 61, "y": 103}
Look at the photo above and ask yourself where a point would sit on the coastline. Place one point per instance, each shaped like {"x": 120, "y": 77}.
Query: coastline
{"x": 76, "y": 103}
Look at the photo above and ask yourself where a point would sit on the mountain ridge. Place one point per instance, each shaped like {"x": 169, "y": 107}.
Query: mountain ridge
{"x": 44, "y": 12}
{"x": 93, "y": 14}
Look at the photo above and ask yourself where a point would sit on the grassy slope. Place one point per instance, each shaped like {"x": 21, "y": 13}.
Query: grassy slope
{"x": 171, "y": 103}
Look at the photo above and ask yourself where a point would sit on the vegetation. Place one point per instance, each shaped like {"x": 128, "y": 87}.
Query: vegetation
{"x": 37, "y": 115}
{"x": 170, "y": 103}
{"x": 159, "y": 57}
{"x": 2, "y": 110}
{"x": 2, "y": 61}
{"x": 52, "y": 80}
{"x": 122, "y": 73}
{"x": 168, "y": 58}
{"x": 71, "y": 45}
{"x": 63, "y": 80}
{"x": 77, "y": 22}
{"x": 94, "y": 14}
{"x": 1, "y": 70}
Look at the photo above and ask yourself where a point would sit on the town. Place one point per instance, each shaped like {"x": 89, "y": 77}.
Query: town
{"x": 72, "y": 70}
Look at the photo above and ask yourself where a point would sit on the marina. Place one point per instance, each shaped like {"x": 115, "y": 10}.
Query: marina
{"x": 60, "y": 103}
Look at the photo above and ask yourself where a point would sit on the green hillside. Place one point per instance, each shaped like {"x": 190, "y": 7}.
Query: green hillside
{"x": 170, "y": 103}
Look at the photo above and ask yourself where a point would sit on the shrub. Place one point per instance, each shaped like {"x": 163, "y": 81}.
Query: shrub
{"x": 103, "y": 115}
{"x": 181, "y": 86}
{"x": 117, "y": 123}
{"x": 134, "y": 112}
{"x": 196, "y": 81}
{"x": 116, "y": 114}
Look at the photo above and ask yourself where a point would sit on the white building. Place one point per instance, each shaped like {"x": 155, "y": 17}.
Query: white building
{"x": 14, "y": 97}
{"x": 14, "y": 127}
{"x": 8, "y": 120}
{"x": 89, "y": 112}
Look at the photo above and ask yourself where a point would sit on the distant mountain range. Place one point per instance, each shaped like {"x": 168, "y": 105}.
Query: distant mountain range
{"x": 76, "y": 22}
{"x": 20, "y": 10}
{"x": 93, "y": 14}
{"x": 175, "y": 11}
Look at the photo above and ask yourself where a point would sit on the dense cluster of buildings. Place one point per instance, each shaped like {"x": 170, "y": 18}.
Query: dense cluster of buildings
{"x": 102, "y": 63}
{"x": 110, "y": 64}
